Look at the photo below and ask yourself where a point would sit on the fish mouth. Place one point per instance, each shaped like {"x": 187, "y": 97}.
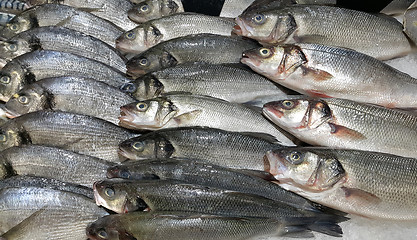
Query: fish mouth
{"x": 10, "y": 114}
{"x": 240, "y": 28}
{"x": 126, "y": 154}
{"x": 126, "y": 118}
{"x": 272, "y": 113}
{"x": 133, "y": 71}
{"x": 99, "y": 200}
{"x": 4, "y": 98}
{"x": 248, "y": 59}
{"x": 276, "y": 165}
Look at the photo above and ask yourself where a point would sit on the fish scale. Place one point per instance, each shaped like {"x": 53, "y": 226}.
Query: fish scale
{"x": 13, "y": 6}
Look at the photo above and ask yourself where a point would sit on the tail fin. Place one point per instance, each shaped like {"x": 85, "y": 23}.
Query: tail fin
{"x": 329, "y": 228}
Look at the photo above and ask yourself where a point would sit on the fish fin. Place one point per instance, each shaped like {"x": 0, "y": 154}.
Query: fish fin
{"x": 186, "y": 117}
{"x": 126, "y": 236}
{"x": 176, "y": 93}
{"x": 257, "y": 173}
{"x": 254, "y": 108}
{"x": 329, "y": 228}
{"x": 344, "y": 132}
{"x": 315, "y": 93}
{"x": 263, "y": 136}
{"x": 23, "y": 224}
{"x": 64, "y": 21}
{"x": 362, "y": 195}
{"x": 317, "y": 74}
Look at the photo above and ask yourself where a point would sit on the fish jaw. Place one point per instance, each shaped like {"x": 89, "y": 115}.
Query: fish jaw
{"x": 128, "y": 44}
{"x": 122, "y": 152}
{"x": 241, "y": 28}
{"x": 129, "y": 119}
{"x": 99, "y": 200}
{"x": 275, "y": 166}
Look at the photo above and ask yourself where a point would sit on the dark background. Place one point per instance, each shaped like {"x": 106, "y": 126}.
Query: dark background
{"x": 213, "y": 7}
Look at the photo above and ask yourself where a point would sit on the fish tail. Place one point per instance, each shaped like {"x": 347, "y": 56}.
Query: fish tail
{"x": 329, "y": 228}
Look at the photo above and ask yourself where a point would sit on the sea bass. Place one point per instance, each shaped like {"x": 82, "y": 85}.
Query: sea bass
{"x": 153, "y": 9}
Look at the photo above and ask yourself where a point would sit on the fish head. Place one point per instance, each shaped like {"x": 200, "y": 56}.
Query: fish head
{"x": 106, "y": 228}
{"x": 149, "y": 61}
{"x": 118, "y": 171}
{"x": 14, "y": 48}
{"x": 140, "y": 172}
{"x": 298, "y": 114}
{"x": 9, "y": 137}
{"x": 30, "y": 98}
{"x": 146, "y": 87}
{"x": 305, "y": 168}
{"x": 114, "y": 195}
{"x": 265, "y": 60}
{"x": 12, "y": 78}
{"x": 17, "y": 25}
{"x": 145, "y": 11}
{"x": 147, "y": 146}
{"x": 139, "y": 39}
{"x": 267, "y": 27}
{"x": 149, "y": 115}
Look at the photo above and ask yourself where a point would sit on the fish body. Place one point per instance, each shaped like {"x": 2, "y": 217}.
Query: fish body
{"x": 346, "y": 124}
{"x": 215, "y": 146}
{"x": 73, "y": 132}
{"x": 410, "y": 22}
{"x": 41, "y": 64}
{"x": 13, "y": 6}
{"x": 179, "y": 226}
{"x": 150, "y": 33}
{"x": 63, "y": 16}
{"x": 370, "y": 184}
{"x": 153, "y": 9}
{"x": 54, "y": 163}
{"x": 17, "y": 204}
{"x": 207, "y": 48}
{"x": 397, "y": 7}
{"x": 324, "y": 71}
{"x": 64, "y": 40}
{"x": 68, "y": 94}
{"x": 113, "y": 11}
{"x": 230, "y": 82}
{"x": 379, "y": 37}
{"x": 206, "y": 174}
{"x": 192, "y": 110}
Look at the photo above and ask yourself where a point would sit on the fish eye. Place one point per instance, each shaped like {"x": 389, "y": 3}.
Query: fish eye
{"x": 23, "y": 99}
{"x": 14, "y": 27}
{"x": 128, "y": 88}
{"x": 295, "y": 158}
{"x": 265, "y": 52}
{"x": 141, "y": 106}
{"x": 102, "y": 234}
{"x": 109, "y": 192}
{"x": 259, "y": 18}
{"x": 125, "y": 174}
{"x": 5, "y": 79}
{"x": 3, "y": 138}
{"x": 138, "y": 146}
{"x": 144, "y": 8}
{"x": 130, "y": 35}
{"x": 143, "y": 62}
{"x": 287, "y": 104}
{"x": 12, "y": 47}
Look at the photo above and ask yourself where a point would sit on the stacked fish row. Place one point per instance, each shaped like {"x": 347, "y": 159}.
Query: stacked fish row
{"x": 203, "y": 175}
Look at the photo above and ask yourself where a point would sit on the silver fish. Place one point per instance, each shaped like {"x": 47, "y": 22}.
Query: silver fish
{"x": 13, "y": 6}
{"x": 153, "y": 9}
{"x": 410, "y": 22}
{"x": 5, "y": 18}
{"x": 397, "y": 7}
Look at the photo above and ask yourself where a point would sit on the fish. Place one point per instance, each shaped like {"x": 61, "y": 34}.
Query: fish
{"x": 184, "y": 110}
{"x": 113, "y": 11}
{"x": 233, "y": 8}
{"x": 41, "y": 64}
{"x": 397, "y": 7}
{"x": 124, "y": 196}
{"x": 74, "y": 132}
{"x": 370, "y": 184}
{"x": 5, "y": 18}
{"x": 214, "y": 146}
{"x": 344, "y": 28}
{"x": 63, "y": 16}
{"x": 148, "y": 34}
{"x": 64, "y": 40}
{"x": 206, "y": 174}
{"x": 324, "y": 71}
{"x": 52, "y": 162}
{"x": 347, "y": 124}
{"x": 207, "y": 48}
{"x": 230, "y": 82}
{"x": 261, "y": 5}
{"x": 193, "y": 226}
{"x": 13, "y": 6}
{"x": 72, "y": 213}
{"x": 153, "y": 9}
{"x": 410, "y": 22}
{"x": 49, "y": 183}
{"x": 68, "y": 94}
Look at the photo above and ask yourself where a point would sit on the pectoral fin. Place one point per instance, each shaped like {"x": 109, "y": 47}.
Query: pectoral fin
{"x": 361, "y": 195}
{"x": 344, "y": 132}
{"x": 316, "y": 74}
{"x": 187, "y": 117}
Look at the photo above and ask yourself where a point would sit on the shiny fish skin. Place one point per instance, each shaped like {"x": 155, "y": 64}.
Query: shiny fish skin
{"x": 13, "y": 6}
{"x": 346, "y": 124}
{"x": 42, "y": 64}
{"x": 410, "y": 22}
{"x": 64, "y": 40}
{"x": 73, "y": 132}
{"x": 50, "y": 183}
{"x": 370, "y": 184}
{"x": 397, "y": 7}
{"x": 233, "y": 8}
{"x": 376, "y": 36}
{"x": 323, "y": 71}
{"x": 150, "y": 33}
{"x": 208, "y": 48}
{"x": 214, "y": 146}
{"x": 64, "y": 16}
{"x": 51, "y": 162}
{"x": 82, "y": 96}
{"x": 114, "y": 11}
{"x": 5, "y": 18}
{"x": 193, "y": 110}
{"x": 153, "y": 9}
{"x": 230, "y": 82}
{"x": 16, "y": 204}
{"x": 180, "y": 226}
{"x": 192, "y": 171}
